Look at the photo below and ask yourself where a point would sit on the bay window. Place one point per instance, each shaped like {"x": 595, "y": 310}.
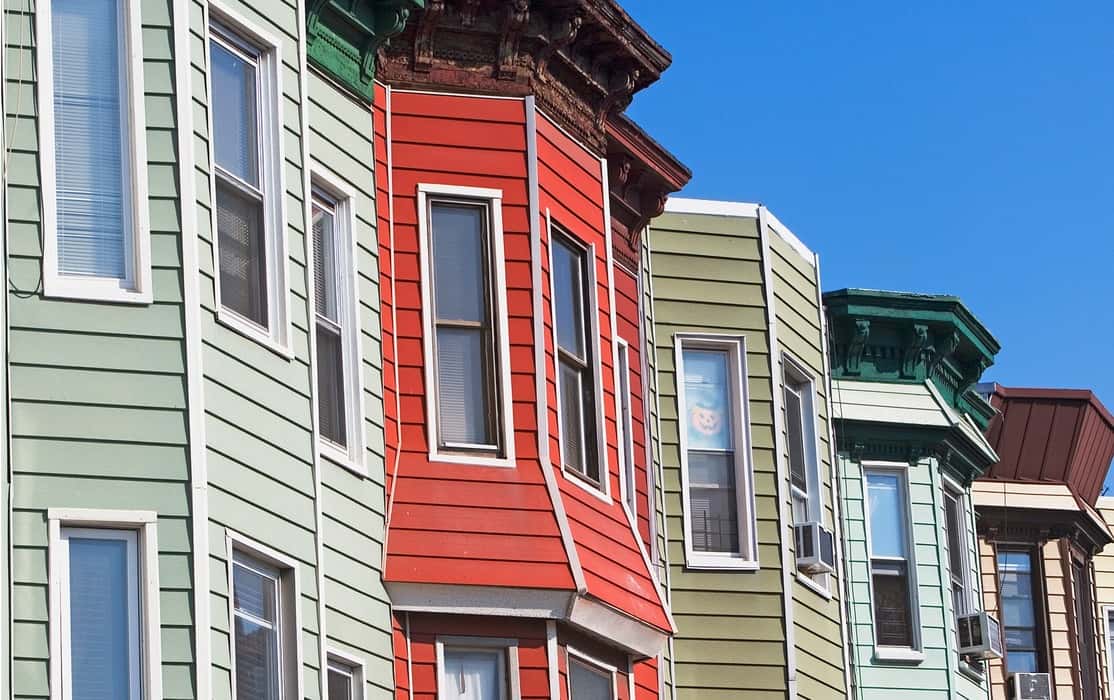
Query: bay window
{"x": 92, "y": 145}
{"x": 891, "y": 564}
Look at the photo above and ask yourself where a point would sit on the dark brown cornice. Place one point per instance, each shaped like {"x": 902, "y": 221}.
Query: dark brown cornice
{"x": 583, "y": 59}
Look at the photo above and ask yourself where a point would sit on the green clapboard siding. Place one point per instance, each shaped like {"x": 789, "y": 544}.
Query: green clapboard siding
{"x": 98, "y": 390}
{"x": 707, "y": 278}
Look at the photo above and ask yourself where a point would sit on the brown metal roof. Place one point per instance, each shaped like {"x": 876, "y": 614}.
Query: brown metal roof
{"x": 1052, "y": 435}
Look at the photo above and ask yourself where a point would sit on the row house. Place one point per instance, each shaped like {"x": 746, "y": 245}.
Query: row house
{"x": 748, "y": 507}
{"x": 512, "y": 194}
{"x": 909, "y": 425}
{"x": 1040, "y": 539}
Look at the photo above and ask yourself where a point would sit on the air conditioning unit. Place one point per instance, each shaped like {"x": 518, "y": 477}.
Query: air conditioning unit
{"x": 1031, "y": 686}
{"x": 815, "y": 548}
{"x": 980, "y": 636}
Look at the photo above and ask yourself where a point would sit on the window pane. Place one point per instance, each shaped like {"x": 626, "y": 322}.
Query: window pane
{"x": 462, "y": 387}
{"x": 887, "y": 515}
{"x": 89, "y": 123}
{"x": 892, "y": 616}
{"x": 243, "y": 285}
{"x": 714, "y": 511}
{"x": 627, "y": 426}
{"x": 953, "y": 524}
{"x": 101, "y": 635}
{"x": 325, "y": 277}
{"x": 257, "y": 674}
{"x": 472, "y": 674}
{"x": 1021, "y": 661}
{"x": 793, "y": 427}
{"x": 235, "y": 114}
{"x": 572, "y": 439}
{"x": 568, "y": 286}
{"x": 330, "y": 384}
{"x": 253, "y": 593}
{"x": 340, "y": 683}
{"x": 458, "y": 258}
{"x": 587, "y": 683}
{"x": 707, "y": 400}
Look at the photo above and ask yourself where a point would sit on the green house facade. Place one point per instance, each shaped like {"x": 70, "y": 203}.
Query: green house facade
{"x": 909, "y": 430}
{"x": 745, "y": 454}
{"x": 195, "y": 445}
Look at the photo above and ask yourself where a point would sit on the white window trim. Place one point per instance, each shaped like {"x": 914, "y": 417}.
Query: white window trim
{"x": 144, "y": 524}
{"x": 510, "y": 660}
{"x": 573, "y": 653}
{"x": 343, "y": 197}
{"x": 914, "y": 653}
{"x": 601, "y": 491}
{"x": 951, "y": 488}
{"x": 355, "y": 664}
{"x": 290, "y": 631}
{"x": 278, "y": 334}
{"x": 136, "y": 287}
{"x": 735, "y": 345}
{"x": 628, "y": 487}
{"x": 493, "y": 199}
{"x": 795, "y": 371}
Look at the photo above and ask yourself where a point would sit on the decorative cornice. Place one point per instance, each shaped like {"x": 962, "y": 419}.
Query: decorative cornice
{"x": 343, "y": 37}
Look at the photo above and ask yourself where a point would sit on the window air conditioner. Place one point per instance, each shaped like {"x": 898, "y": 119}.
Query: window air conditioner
{"x": 980, "y": 636}
{"x": 1031, "y": 686}
{"x": 815, "y": 548}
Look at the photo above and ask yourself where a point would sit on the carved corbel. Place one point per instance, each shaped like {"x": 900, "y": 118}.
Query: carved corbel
{"x": 855, "y": 347}
{"x": 969, "y": 373}
{"x": 423, "y": 35}
{"x": 563, "y": 32}
{"x": 651, "y": 204}
{"x": 518, "y": 16}
{"x": 914, "y": 352}
{"x": 469, "y": 10}
{"x": 943, "y": 348}
{"x": 618, "y": 173}
{"x": 313, "y": 18}
{"x": 620, "y": 95}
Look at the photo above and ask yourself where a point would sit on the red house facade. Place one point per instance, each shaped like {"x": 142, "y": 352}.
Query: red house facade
{"x": 511, "y": 194}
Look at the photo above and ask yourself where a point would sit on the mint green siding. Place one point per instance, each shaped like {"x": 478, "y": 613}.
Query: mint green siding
{"x": 98, "y": 412}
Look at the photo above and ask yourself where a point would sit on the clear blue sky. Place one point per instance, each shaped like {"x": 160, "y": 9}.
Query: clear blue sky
{"x": 943, "y": 147}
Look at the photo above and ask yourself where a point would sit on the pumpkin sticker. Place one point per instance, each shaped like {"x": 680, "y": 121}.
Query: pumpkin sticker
{"x": 707, "y": 405}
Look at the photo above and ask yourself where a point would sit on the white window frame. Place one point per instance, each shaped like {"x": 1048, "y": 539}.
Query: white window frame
{"x": 915, "y": 652}
{"x": 493, "y": 200}
{"x": 511, "y": 689}
{"x": 735, "y": 347}
{"x": 795, "y": 372}
{"x": 350, "y": 664}
{"x": 572, "y": 654}
{"x": 953, "y": 490}
{"x": 288, "y": 606}
{"x": 149, "y": 647}
{"x": 625, "y": 423}
{"x": 277, "y": 335}
{"x": 136, "y": 287}
{"x": 343, "y": 197}
{"x": 602, "y": 489}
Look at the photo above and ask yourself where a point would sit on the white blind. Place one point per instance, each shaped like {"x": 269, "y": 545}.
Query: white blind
{"x": 89, "y": 128}
{"x": 472, "y": 675}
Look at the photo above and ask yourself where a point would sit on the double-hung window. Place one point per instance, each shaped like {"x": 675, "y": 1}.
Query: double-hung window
{"x": 626, "y": 429}
{"x": 1020, "y": 614}
{"x": 345, "y": 679}
{"x": 464, "y": 298}
{"x": 715, "y": 452}
{"x": 477, "y": 668}
{"x": 335, "y": 327}
{"x": 104, "y": 606}
{"x": 891, "y": 564}
{"x": 262, "y": 608}
{"x": 798, "y": 395}
{"x": 96, "y": 239}
{"x": 1084, "y": 603}
{"x": 577, "y": 355}
{"x": 955, "y": 532}
{"x": 247, "y": 164}
{"x": 589, "y": 680}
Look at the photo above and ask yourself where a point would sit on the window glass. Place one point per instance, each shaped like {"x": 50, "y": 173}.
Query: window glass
{"x": 1019, "y": 619}
{"x": 459, "y": 254}
{"x": 473, "y": 674}
{"x": 91, "y": 141}
{"x": 890, "y": 566}
{"x": 568, "y": 287}
{"x": 888, "y": 536}
{"x": 576, "y": 371}
{"x": 103, "y": 615}
{"x": 955, "y": 532}
{"x": 255, "y": 591}
{"x": 341, "y": 680}
{"x": 331, "y": 395}
{"x": 626, "y": 427}
{"x": 586, "y": 682}
{"x": 1084, "y": 628}
{"x": 235, "y": 109}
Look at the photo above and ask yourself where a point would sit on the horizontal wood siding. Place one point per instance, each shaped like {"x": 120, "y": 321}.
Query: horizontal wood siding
{"x": 707, "y": 278}
{"x": 571, "y": 190}
{"x": 98, "y": 404}
{"x": 442, "y": 525}
{"x": 817, "y": 620}
{"x": 627, "y": 315}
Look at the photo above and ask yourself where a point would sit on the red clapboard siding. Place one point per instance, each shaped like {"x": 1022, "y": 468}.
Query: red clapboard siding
{"x": 401, "y": 669}
{"x": 646, "y": 679}
{"x": 571, "y": 189}
{"x": 627, "y": 313}
{"x": 457, "y": 524}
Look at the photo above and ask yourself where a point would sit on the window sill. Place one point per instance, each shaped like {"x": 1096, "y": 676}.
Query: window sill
{"x": 903, "y": 655}
{"x": 806, "y": 581}
{"x": 91, "y": 289}
{"x": 973, "y": 672}
{"x": 712, "y": 563}
{"x": 236, "y": 323}
{"x": 590, "y": 487}
{"x": 507, "y": 462}
{"x": 339, "y": 457}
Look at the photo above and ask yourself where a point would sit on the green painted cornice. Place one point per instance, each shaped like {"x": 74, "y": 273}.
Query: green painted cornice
{"x": 344, "y": 35}
{"x": 904, "y": 337}
{"x": 956, "y": 455}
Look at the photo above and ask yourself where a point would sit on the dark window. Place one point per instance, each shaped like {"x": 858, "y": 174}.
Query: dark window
{"x": 575, "y": 358}
{"x": 955, "y": 532}
{"x": 588, "y": 682}
{"x": 1020, "y": 618}
{"x": 330, "y": 333}
{"x": 889, "y": 559}
{"x": 1085, "y": 628}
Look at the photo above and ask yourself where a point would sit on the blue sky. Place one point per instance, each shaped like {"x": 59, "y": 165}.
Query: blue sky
{"x": 944, "y": 147}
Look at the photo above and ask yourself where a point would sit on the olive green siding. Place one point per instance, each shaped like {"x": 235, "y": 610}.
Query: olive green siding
{"x": 707, "y": 278}
{"x": 817, "y": 614}
{"x": 98, "y": 413}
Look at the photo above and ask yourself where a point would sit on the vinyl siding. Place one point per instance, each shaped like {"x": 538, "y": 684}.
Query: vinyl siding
{"x": 707, "y": 278}
{"x": 98, "y": 411}
{"x": 1104, "y": 595}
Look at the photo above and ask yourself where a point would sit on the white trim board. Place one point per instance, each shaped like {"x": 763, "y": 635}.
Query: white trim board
{"x": 749, "y": 210}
